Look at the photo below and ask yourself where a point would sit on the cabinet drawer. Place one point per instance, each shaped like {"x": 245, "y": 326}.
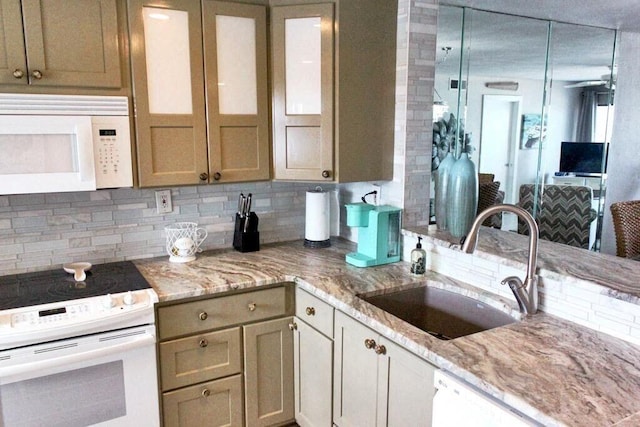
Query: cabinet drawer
{"x": 214, "y": 403}
{"x": 221, "y": 312}
{"x": 315, "y": 312}
{"x": 200, "y": 358}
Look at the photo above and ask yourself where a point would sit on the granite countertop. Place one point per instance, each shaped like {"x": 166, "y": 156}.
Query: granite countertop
{"x": 555, "y": 371}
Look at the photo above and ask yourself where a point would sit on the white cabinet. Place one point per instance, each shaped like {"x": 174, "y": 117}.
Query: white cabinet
{"x": 376, "y": 382}
{"x": 312, "y": 360}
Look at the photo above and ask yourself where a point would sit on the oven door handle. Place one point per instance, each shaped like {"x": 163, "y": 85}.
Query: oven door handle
{"x": 131, "y": 343}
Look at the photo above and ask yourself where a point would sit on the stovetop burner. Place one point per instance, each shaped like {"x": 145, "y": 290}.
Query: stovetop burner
{"x": 43, "y": 287}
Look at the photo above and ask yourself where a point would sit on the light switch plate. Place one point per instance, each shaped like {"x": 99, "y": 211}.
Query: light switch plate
{"x": 163, "y": 201}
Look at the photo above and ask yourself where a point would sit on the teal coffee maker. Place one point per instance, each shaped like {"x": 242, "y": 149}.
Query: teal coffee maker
{"x": 378, "y": 234}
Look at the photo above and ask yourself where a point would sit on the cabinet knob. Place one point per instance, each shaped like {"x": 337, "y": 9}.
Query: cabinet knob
{"x": 293, "y": 326}
{"x": 204, "y": 176}
{"x": 380, "y": 349}
{"x": 203, "y": 315}
{"x": 36, "y": 74}
{"x": 18, "y": 73}
{"x": 369, "y": 343}
{"x": 326, "y": 174}
{"x": 310, "y": 311}
{"x": 217, "y": 176}
{"x": 252, "y": 306}
{"x": 205, "y": 392}
{"x": 203, "y": 343}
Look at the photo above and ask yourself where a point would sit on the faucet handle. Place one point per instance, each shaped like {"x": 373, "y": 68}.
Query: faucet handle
{"x": 514, "y": 282}
{"x": 519, "y": 291}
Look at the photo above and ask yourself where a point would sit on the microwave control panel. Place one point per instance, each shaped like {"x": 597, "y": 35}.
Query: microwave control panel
{"x": 112, "y": 151}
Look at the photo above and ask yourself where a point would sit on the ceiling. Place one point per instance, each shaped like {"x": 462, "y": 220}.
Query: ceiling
{"x": 513, "y": 47}
{"x": 621, "y": 15}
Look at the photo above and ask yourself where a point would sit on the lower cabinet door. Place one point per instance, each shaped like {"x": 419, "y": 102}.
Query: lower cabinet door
{"x": 215, "y": 403}
{"x": 313, "y": 362}
{"x": 376, "y": 382}
{"x": 407, "y": 394}
{"x": 201, "y": 357}
{"x": 355, "y": 373}
{"x": 268, "y": 370}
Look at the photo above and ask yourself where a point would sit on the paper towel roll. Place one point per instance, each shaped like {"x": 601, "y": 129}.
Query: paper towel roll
{"x": 317, "y": 219}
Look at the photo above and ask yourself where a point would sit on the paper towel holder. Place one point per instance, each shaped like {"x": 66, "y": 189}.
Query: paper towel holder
{"x": 317, "y": 230}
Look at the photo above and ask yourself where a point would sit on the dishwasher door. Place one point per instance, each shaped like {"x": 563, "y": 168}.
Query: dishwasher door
{"x": 457, "y": 404}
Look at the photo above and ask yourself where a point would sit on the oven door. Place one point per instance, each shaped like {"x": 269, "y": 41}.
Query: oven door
{"x": 106, "y": 379}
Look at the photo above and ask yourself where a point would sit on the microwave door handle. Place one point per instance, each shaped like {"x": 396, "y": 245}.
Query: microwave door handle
{"x": 86, "y": 162}
{"x": 26, "y": 368}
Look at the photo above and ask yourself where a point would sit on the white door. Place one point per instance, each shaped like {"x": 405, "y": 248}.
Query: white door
{"x": 355, "y": 374}
{"x": 407, "y": 394}
{"x": 499, "y": 140}
{"x": 312, "y": 361}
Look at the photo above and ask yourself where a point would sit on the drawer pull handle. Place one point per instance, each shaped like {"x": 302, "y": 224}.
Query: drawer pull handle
{"x": 205, "y": 392}
{"x": 310, "y": 311}
{"x": 369, "y": 343}
{"x": 380, "y": 349}
{"x": 293, "y": 326}
{"x": 18, "y": 73}
{"x": 203, "y": 315}
{"x": 252, "y": 306}
{"x": 36, "y": 74}
{"x": 203, "y": 343}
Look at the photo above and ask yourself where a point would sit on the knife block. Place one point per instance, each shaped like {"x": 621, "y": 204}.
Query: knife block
{"x": 246, "y": 241}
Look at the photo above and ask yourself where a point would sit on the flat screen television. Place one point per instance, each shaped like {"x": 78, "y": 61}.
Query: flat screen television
{"x": 583, "y": 158}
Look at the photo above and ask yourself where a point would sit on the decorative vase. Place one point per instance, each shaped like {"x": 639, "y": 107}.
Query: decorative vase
{"x": 442, "y": 183}
{"x": 462, "y": 196}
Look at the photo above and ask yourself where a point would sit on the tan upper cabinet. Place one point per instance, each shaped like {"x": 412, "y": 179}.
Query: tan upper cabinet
{"x": 302, "y": 49}
{"x": 237, "y": 95}
{"x": 334, "y": 90}
{"x": 66, "y": 43}
{"x": 184, "y": 66}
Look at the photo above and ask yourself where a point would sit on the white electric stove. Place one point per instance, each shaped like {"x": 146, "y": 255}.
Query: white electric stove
{"x": 89, "y": 342}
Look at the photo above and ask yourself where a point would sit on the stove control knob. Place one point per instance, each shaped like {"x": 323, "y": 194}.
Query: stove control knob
{"x": 107, "y": 301}
{"x": 129, "y": 299}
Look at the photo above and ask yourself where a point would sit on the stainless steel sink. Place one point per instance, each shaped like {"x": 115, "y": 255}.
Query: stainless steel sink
{"x": 443, "y": 314}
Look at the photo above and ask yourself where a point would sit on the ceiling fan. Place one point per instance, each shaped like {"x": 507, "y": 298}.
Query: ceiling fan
{"x": 607, "y": 80}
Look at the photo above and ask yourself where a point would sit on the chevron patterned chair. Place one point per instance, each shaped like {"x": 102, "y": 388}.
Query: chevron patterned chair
{"x": 565, "y": 214}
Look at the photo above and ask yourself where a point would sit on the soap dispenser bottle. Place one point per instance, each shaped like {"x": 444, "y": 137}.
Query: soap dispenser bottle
{"x": 418, "y": 259}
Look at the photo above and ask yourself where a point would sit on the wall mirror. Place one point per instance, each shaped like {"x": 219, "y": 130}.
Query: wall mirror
{"x": 535, "y": 100}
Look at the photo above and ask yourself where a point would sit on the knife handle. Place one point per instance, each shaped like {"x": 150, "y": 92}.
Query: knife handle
{"x": 246, "y": 222}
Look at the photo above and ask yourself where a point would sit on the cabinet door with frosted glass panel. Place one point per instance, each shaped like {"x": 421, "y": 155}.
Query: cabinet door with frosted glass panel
{"x": 302, "y": 46}
{"x": 168, "y": 80}
{"x": 235, "y": 38}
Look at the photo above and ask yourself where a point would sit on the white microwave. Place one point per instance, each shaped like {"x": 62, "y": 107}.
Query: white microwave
{"x": 57, "y": 143}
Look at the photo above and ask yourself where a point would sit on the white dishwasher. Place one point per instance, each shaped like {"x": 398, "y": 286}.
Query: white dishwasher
{"x": 457, "y": 404}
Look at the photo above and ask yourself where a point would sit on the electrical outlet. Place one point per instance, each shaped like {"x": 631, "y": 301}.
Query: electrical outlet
{"x": 378, "y": 198}
{"x": 163, "y": 201}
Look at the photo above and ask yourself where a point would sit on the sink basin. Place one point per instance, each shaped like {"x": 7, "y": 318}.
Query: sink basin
{"x": 443, "y": 314}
